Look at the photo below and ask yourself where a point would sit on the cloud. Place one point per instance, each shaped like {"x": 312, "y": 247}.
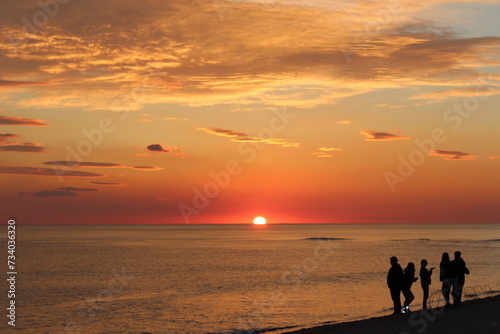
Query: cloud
{"x": 453, "y": 155}
{"x": 381, "y": 136}
{"x": 322, "y": 155}
{"x": 77, "y": 189}
{"x": 323, "y": 152}
{"x": 146, "y": 168}
{"x": 223, "y": 132}
{"x": 22, "y": 147}
{"x": 492, "y": 157}
{"x": 84, "y": 164}
{"x": 328, "y": 149}
{"x": 112, "y": 184}
{"x": 156, "y": 148}
{"x": 272, "y": 141}
{"x": 7, "y": 136}
{"x": 49, "y": 193}
{"x": 457, "y": 93}
{"x": 7, "y": 120}
{"x": 45, "y": 172}
{"x": 59, "y": 192}
{"x": 204, "y": 53}
{"x": 8, "y": 83}
{"x": 97, "y": 165}
{"x": 344, "y": 122}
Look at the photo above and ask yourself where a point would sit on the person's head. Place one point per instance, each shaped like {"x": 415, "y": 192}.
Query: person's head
{"x": 411, "y": 266}
{"x": 394, "y": 260}
{"x": 423, "y": 263}
{"x": 458, "y": 255}
{"x": 445, "y": 257}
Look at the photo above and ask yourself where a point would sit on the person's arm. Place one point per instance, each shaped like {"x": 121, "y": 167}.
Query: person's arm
{"x": 466, "y": 270}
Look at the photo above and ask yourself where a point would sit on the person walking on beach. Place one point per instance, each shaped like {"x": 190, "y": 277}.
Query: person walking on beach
{"x": 409, "y": 278}
{"x": 425, "y": 281}
{"x": 394, "y": 282}
{"x": 446, "y": 276}
{"x": 459, "y": 270}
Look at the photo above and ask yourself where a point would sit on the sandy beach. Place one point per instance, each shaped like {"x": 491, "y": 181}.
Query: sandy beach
{"x": 474, "y": 316}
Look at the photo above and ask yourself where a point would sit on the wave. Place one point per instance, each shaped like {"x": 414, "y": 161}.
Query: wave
{"x": 326, "y": 239}
{"x": 492, "y": 240}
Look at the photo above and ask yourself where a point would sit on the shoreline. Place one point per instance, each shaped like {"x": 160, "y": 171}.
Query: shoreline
{"x": 481, "y": 315}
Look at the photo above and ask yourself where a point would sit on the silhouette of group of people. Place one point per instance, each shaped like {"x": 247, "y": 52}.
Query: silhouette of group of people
{"x": 451, "y": 274}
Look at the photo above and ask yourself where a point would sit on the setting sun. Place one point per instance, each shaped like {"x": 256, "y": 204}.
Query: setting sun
{"x": 259, "y": 221}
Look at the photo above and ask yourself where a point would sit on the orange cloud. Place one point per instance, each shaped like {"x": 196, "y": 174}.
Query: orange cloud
{"x": 381, "y": 136}
{"x": 453, "y": 155}
{"x": 45, "y": 172}
{"x": 222, "y": 132}
{"x": 7, "y": 136}
{"x": 22, "y": 147}
{"x": 96, "y": 165}
{"x": 7, "y": 120}
{"x": 344, "y": 122}
{"x": 111, "y": 184}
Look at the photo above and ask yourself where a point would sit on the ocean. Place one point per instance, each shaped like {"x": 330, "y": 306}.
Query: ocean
{"x": 229, "y": 278}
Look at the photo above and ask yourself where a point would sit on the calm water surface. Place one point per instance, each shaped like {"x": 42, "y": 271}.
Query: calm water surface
{"x": 227, "y": 278}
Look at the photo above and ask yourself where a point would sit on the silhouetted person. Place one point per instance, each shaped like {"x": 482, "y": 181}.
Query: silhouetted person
{"x": 394, "y": 282}
{"x": 425, "y": 281}
{"x": 408, "y": 279}
{"x": 446, "y": 276}
{"x": 459, "y": 270}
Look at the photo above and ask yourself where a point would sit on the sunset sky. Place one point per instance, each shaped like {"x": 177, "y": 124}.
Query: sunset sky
{"x": 187, "y": 111}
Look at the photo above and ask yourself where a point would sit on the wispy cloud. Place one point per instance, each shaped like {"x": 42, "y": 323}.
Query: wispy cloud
{"x": 111, "y": 184}
{"x": 8, "y": 120}
{"x": 328, "y": 149}
{"x": 22, "y": 147}
{"x": 7, "y": 136}
{"x": 8, "y": 83}
{"x": 49, "y": 193}
{"x": 382, "y": 136}
{"x": 77, "y": 189}
{"x": 45, "y": 172}
{"x": 86, "y": 164}
{"x": 344, "y": 122}
{"x": 223, "y": 132}
{"x": 457, "y": 93}
{"x": 322, "y": 155}
{"x": 453, "y": 155}
{"x": 272, "y": 141}
{"x": 492, "y": 157}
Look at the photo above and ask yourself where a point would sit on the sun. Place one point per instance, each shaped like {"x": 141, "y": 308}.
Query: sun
{"x": 259, "y": 221}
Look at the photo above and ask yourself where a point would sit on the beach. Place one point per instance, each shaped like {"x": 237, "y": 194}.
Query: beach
{"x": 478, "y": 316}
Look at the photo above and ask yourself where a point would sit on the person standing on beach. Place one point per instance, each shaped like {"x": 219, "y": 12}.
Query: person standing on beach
{"x": 394, "y": 282}
{"x": 446, "y": 276}
{"x": 425, "y": 281}
{"x": 409, "y": 278}
{"x": 459, "y": 270}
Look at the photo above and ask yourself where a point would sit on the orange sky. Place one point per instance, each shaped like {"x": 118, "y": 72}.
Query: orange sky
{"x": 219, "y": 111}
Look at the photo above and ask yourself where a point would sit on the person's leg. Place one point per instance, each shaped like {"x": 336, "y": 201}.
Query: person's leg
{"x": 396, "y": 299}
{"x": 457, "y": 293}
{"x": 425, "y": 289}
{"x": 445, "y": 289}
{"x": 407, "y": 297}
